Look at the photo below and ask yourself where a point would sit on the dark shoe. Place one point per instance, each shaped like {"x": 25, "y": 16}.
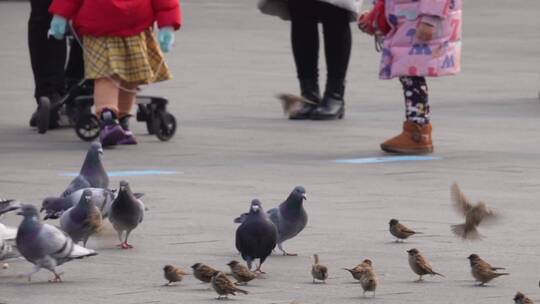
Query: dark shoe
{"x": 111, "y": 131}
{"x": 310, "y": 90}
{"x": 332, "y": 105}
{"x": 129, "y": 138}
{"x": 43, "y": 114}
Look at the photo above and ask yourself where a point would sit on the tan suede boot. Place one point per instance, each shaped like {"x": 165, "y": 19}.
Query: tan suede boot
{"x": 415, "y": 139}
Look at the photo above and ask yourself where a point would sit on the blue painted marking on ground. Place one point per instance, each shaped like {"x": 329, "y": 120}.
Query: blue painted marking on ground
{"x": 131, "y": 173}
{"x": 385, "y": 159}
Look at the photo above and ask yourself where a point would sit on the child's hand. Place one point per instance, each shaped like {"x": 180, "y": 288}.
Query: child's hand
{"x": 58, "y": 27}
{"x": 424, "y": 31}
{"x": 166, "y": 38}
{"x": 363, "y": 23}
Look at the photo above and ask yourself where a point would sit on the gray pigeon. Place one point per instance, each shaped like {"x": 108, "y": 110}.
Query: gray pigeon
{"x": 44, "y": 245}
{"x": 289, "y": 217}
{"x": 256, "y": 236}
{"x": 101, "y": 198}
{"x": 81, "y": 220}
{"x": 126, "y": 213}
{"x": 92, "y": 174}
{"x": 7, "y": 205}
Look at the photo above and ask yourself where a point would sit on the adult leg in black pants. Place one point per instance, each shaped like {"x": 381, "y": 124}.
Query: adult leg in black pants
{"x": 305, "y": 16}
{"x": 47, "y": 56}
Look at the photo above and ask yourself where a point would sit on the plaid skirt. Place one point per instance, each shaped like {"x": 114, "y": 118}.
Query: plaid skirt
{"x": 135, "y": 59}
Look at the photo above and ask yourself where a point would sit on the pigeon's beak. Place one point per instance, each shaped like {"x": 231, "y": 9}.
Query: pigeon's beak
{"x": 304, "y": 196}
{"x": 100, "y": 151}
{"x": 255, "y": 208}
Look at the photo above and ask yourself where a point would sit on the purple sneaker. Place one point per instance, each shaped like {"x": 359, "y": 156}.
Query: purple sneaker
{"x": 111, "y": 135}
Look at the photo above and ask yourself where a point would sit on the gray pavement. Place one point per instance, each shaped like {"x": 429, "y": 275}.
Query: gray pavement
{"x": 234, "y": 145}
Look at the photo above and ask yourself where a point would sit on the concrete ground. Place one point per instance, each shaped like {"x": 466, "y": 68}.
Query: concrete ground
{"x": 234, "y": 145}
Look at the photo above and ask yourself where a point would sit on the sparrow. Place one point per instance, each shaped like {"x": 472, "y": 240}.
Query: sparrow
{"x": 357, "y": 271}
{"x": 474, "y": 215}
{"x": 173, "y": 274}
{"x": 400, "y": 231}
{"x": 203, "y": 272}
{"x": 368, "y": 281}
{"x": 291, "y": 103}
{"x": 223, "y": 286}
{"x": 318, "y": 271}
{"x": 419, "y": 265}
{"x": 482, "y": 271}
{"x": 241, "y": 273}
{"x": 520, "y": 298}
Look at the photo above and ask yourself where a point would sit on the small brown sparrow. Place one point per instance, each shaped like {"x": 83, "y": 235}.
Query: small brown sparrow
{"x": 400, "y": 231}
{"x": 482, "y": 271}
{"x": 291, "y": 103}
{"x": 419, "y": 265}
{"x": 474, "y": 215}
{"x": 203, "y": 272}
{"x": 223, "y": 286}
{"x": 357, "y": 271}
{"x": 369, "y": 281}
{"x": 318, "y": 271}
{"x": 173, "y": 274}
{"x": 241, "y": 273}
{"x": 522, "y": 299}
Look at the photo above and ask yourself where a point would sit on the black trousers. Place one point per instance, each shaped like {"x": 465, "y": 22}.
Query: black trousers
{"x": 48, "y": 55}
{"x": 305, "y": 17}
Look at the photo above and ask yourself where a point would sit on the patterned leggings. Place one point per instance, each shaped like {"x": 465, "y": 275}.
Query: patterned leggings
{"x": 416, "y": 99}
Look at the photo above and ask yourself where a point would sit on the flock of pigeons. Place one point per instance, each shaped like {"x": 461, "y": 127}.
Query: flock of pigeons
{"x": 88, "y": 201}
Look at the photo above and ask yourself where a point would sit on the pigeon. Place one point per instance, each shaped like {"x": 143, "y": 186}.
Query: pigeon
{"x": 92, "y": 174}
{"x": 7, "y": 205}
{"x": 81, "y": 220}
{"x": 101, "y": 198}
{"x": 256, "y": 237}
{"x": 400, "y": 231}
{"x": 223, "y": 286}
{"x": 474, "y": 215}
{"x": 520, "y": 298}
{"x": 126, "y": 213}
{"x": 7, "y": 237}
{"x": 44, "y": 245}
{"x": 289, "y": 217}
{"x": 241, "y": 273}
{"x": 173, "y": 274}
{"x": 420, "y": 265}
{"x": 318, "y": 271}
{"x": 482, "y": 271}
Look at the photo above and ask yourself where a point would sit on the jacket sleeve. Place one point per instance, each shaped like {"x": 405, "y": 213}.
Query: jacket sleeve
{"x": 437, "y": 8}
{"x": 65, "y": 8}
{"x": 167, "y": 13}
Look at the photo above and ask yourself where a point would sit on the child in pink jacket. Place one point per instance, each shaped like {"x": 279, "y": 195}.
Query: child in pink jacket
{"x": 423, "y": 40}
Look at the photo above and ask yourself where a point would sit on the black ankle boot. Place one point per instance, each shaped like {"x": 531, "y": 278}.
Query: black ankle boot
{"x": 332, "y": 105}
{"x": 310, "y": 90}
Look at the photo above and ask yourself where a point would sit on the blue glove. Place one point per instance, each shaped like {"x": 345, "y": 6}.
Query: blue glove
{"x": 58, "y": 27}
{"x": 166, "y": 38}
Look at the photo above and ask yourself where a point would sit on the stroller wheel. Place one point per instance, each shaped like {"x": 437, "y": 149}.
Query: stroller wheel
{"x": 43, "y": 116}
{"x": 165, "y": 126}
{"x": 87, "y": 128}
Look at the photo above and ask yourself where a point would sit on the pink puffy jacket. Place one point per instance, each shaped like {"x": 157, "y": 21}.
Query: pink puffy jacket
{"x": 404, "y": 55}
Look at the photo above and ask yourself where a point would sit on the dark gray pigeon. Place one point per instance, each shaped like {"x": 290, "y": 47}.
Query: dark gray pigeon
{"x": 81, "y": 220}
{"x": 44, "y": 245}
{"x": 92, "y": 174}
{"x": 126, "y": 213}
{"x": 289, "y": 217}
{"x": 256, "y": 236}
{"x": 55, "y": 206}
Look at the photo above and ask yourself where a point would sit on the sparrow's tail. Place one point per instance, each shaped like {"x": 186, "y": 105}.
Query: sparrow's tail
{"x": 498, "y": 268}
{"x": 501, "y": 274}
{"x": 465, "y": 232}
{"x": 439, "y": 274}
{"x": 241, "y": 290}
{"x": 349, "y": 270}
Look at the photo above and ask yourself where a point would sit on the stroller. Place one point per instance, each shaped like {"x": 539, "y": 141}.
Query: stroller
{"x": 77, "y": 104}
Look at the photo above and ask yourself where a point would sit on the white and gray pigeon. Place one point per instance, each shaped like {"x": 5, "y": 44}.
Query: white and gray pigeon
{"x": 126, "y": 213}
{"x": 256, "y": 237}
{"x": 101, "y": 198}
{"x": 44, "y": 245}
{"x": 81, "y": 220}
{"x": 290, "y": 217}
{"x": 92, "y": 174}
{"x": 7, "y": 238}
